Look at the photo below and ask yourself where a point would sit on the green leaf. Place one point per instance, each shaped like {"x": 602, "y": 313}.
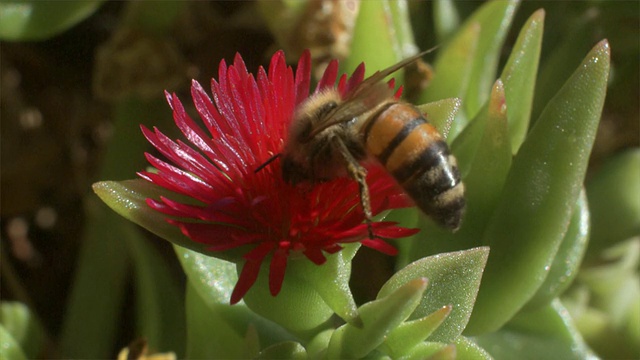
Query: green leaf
{"x": 310, "y": 293}
{"x": 564, "y": 57}
{"x": 547, "y": 333}
{"x": 374, "y": 41}
{"x": 469, "y": 350}
{"x": 489, "y": 167}
{"x": 411, "y": 333}
{"x": 430, "y": 350}
{"x": 9, "y": 347}
{"x": 18, "y": 321}
{"x": 441, "y": 113}
{"x": 539, "y": 195}
{"x": 379, "y": 318}
{"x": 159, "y": 300}
{"x": 606, "y": 300}
{"x": 95, "y": 303}
{"x": 567, "y": 261}
{"x": 213, "y": 280}
{"x": 400, "y": 19}
{"x": 128, "y": 198}
{"x": 519, "y": 77}
{"x": 614, "y": 201}
{"x": 285, "y": 350}
{"x": 226, "y": 342}
{"x": 453, "y": 66}
{"x": 40, "y": 20}
{"x": 454, "y": 279}
{"x": 445, "y": 19}
{"x": 452, "y": 71}
{"x": 614, "y": 283}
{"x": 494, "y": 18}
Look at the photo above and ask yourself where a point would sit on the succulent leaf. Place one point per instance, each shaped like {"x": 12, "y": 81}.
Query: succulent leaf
{"x": 539, "y": 195}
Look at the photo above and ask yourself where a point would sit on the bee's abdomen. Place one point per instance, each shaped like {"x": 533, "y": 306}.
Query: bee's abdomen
{"x": 413, "y": 151}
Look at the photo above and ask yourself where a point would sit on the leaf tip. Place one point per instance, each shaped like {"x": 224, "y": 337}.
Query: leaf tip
{"x": 538, "y": 15}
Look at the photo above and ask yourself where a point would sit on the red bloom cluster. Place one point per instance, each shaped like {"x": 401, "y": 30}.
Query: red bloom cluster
{"x": 246, "y": 124}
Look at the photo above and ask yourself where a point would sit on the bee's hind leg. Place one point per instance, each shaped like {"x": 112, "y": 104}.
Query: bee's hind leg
{"x": 359, "y": 174}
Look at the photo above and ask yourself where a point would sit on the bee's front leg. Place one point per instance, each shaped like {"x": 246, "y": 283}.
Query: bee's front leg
{"x": 359, "y": 174}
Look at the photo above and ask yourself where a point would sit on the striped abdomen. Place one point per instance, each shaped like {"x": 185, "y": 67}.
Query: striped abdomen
{"x": 415, "y": 154}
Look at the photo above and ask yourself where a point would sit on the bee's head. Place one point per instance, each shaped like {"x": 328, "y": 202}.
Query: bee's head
{"x": 311, "y": 114}
{"x": 293, "y": 172}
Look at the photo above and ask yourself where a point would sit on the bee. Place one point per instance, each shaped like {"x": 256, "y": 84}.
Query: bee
{"x": 331, "y": 135}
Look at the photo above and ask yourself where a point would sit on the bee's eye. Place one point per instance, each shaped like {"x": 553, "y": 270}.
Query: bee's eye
{"x": 325, "y": 108}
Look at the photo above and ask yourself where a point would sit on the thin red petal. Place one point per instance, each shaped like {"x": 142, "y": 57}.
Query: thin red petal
{"x": 277, "y": 270}
{"x": 315, "y": 255}
{"x": 398, "y": 93}
{"x": 356, "y": 78}
{"x": 303, "y": 76}
{"x": 329, "y": 77}
{"x": 380, "y": 246}
{"x": 247, "y": 278}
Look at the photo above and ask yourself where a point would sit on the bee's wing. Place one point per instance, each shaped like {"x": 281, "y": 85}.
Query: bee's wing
{"x": 356, "y": 104}
{"x": 366, "y": 95}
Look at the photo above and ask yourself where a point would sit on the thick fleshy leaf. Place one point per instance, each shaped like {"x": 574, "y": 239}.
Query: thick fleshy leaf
{"x": 24, "y": 328}
{"x": 519, "y": 77}
{"x": 310, "y": 293}
{"x": 431, "y": 350}
{"x": 445, "y": 19}
{"x": 336, "y": 293}
{"x": 159, "y": 300}
{"x": 318, "y": 344}
{"x": 454, "y": 279}
{"x": 213, "y": 278}
{"x": 469, "y": 350}
{"x": 128, "y": 198}
{"x": 614, "y": 201}
{"x": 452, "y": 71}
{"x": 494, "y": 18}
{"x": 379, "y": 318}
{"x": 410, "y": 333}
{"x": 606, "y": 302}
{"x": 213, "y": 281}
{"x": 489, "y": 168}
{"x": 285, "y": 350}
{"x": 567, "y": 261}
{"x": 39, "y": 20}
{"x": 614, "y": 283}
{"x": 547, "y": 333}
{"x": 402, "y": 31}
{"x": 374, "y": 41}
{"x": 95, "y": 303}
{"x": 559, "y": 64}
{"x": 466, "y": 144}
{"x": 539, "y": 195}
{"x": 226, "y": 342}
{"x": 9, "y": 346}
{"x": 441, "y": 114}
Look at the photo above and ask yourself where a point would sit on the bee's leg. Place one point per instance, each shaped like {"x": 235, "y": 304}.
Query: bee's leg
{"x": 359, "y": 174}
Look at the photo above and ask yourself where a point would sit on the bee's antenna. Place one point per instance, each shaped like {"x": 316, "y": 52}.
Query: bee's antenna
{"x": 269, "y": 160}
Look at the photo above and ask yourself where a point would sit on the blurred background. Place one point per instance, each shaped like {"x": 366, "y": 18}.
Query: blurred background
{"x": 73, "y": 93}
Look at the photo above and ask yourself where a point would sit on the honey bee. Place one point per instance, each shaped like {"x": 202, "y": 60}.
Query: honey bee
{"x": 331, "y": 135}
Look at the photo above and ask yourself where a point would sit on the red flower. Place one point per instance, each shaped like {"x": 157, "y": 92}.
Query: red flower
{"x": 239, "y": 207}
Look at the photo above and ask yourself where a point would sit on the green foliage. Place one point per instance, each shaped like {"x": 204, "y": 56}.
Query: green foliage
{"x": 22, "y": 20}
{"x": 502, "y": 286}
